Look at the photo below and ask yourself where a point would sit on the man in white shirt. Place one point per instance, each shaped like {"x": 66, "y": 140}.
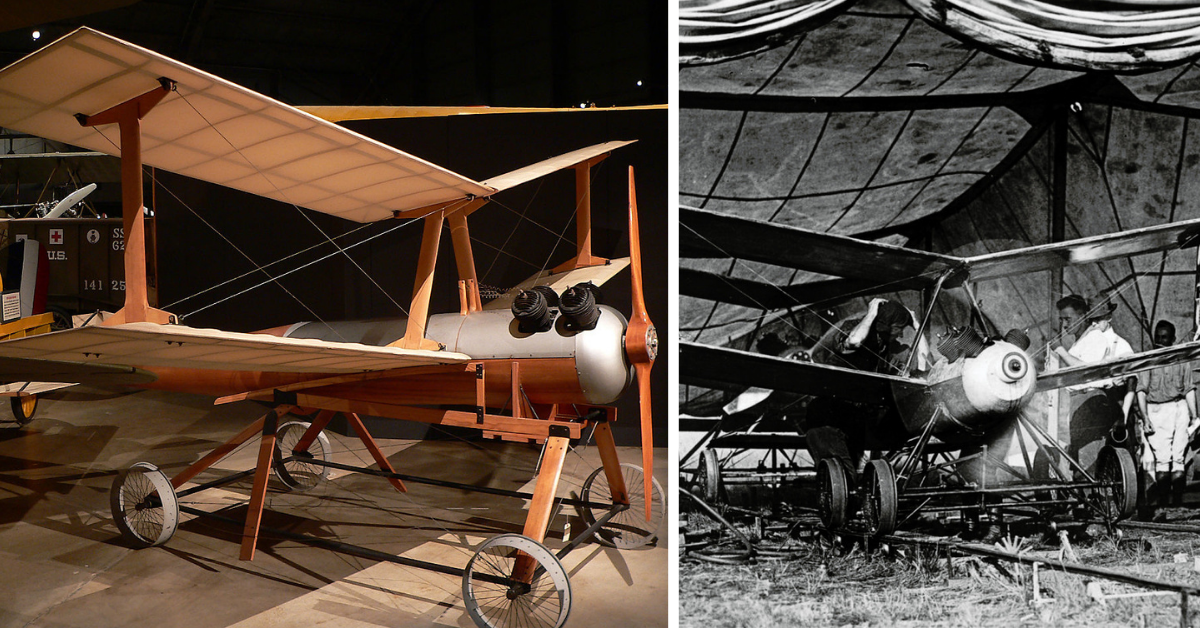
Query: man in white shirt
{"x": 1096, "y": 406}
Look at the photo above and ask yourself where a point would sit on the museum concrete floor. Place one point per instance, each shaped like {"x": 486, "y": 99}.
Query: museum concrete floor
{"x": 63, "y": 563}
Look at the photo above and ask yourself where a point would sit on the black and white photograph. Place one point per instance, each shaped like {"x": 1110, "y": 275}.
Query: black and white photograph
{"x": 937, "y": 313}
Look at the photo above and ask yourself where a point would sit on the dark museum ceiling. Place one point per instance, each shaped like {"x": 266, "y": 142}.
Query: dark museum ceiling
{"x": 316, "y": 52}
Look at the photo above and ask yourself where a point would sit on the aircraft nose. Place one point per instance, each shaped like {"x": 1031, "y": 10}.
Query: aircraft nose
{"x": 1014, "y": 366}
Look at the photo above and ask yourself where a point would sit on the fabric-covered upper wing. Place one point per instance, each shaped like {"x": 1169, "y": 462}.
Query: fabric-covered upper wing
{"x": 705, "y": 233}
{"x": 1085, "y": 250}
{"x": 724, "y": 368}
{"x": 217, "y": 131}
{"x": 151, "y": 345}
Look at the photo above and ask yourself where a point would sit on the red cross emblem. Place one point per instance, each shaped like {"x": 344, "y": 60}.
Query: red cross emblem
{"x": 56, "y": 236}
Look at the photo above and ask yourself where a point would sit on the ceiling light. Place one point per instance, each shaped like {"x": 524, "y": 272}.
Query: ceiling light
{"x": 36, "y": 35}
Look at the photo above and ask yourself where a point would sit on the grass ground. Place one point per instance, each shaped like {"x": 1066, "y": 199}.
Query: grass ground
{"x": 821, "y": 584}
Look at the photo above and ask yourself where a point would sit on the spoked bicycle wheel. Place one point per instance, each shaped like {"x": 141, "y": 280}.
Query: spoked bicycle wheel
{"x": 630, "y": 528}
{"x": 494, "y": 600}
{"x": 298, "y": 474}
{"x": 23, "y": 408}
{"x": 144, "y": 506}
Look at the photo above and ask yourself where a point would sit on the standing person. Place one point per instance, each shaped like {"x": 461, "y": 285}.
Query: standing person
{"x": 837, "y": 428}
{"x": 1096, "y": 406}
{"x": 1166, "y": 397}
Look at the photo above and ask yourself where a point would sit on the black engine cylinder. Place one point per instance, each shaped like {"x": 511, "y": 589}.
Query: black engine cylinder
{"x": 579, "y": 305}
{"x": 531, "y": 308}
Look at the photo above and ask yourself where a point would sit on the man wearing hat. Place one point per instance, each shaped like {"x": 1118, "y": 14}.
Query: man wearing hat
{"x": 1096, "y": 406}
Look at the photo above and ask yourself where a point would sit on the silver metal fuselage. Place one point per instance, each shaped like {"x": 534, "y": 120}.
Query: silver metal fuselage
{"x": 598, "y": 355}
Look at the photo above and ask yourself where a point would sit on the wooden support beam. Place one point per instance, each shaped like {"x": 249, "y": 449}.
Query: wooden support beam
{"x": 464, "y": 258}
{"x": 533, "y": 428}
{"x": 220, "y": 452}
{"x": 418, "y": 313}
{"x": 612, "y": 465}
{"x": 1059, "y": 402}
{"x": 517, "y": 399}
{"x": 262, "y": 473}
{"x": 264, "y": 394}
{"x": 583, "y": 219}
{"x": 540, "y": 508}
{"x": 365, "y": 436}
{"x": 128, "y": 116}
{"x": 314, "y": 430}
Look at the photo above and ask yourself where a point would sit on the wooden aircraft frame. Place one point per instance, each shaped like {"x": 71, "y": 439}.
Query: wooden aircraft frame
{"x": 920, "y": 474}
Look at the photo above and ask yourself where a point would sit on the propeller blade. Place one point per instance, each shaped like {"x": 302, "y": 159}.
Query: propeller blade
{"x": 641, "y": 345}
{"x": 71, "y": 200}
{"x": 635, "y": 255}
{"x": 643, "y": 379}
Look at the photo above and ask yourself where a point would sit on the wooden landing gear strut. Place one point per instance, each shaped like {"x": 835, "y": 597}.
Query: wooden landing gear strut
{"x": 511, "y": 580}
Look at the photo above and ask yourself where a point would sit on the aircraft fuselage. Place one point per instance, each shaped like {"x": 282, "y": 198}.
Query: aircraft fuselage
{"x": 970, "y": 396}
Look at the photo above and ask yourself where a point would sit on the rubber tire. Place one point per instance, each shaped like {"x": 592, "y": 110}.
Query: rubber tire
{"x": 710, "y": 469}
{"x": 138, "y": 535}
{"x": 503, "y": 546}
{"x": 880, "y": 503}
{"x": 1115, "y": 464}
{"x": 833, "y": 497}
{"x": 23, "y": 409}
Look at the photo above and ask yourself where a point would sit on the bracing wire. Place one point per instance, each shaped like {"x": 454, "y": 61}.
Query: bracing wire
{"x": 297, "y": 208}
{"x": 340, "y": 251}
{"x": 267, "y": 265}
{"x": 235, "y": 247}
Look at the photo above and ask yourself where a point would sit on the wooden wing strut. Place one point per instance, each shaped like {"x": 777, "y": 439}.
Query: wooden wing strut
{"x": 128, "y": 116}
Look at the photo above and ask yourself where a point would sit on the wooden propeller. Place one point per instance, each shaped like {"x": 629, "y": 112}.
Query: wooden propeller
{"x": 641, "y": 345}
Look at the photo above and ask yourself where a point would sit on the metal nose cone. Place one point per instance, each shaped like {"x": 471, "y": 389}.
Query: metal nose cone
{"x": 1014, "y": 366}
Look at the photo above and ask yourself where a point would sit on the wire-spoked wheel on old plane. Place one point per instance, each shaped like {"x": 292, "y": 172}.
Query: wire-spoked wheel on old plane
{"x": 298, "y": 473}
{"x": 23, "y": 408}
{"x": 1116, "y": 498}
{"x": 143, "y": 505}
{"x": 708, "y": 476}
{"x": 833, "y": 493}
{"x": 880, "y": 501}
{"x": 494, "y": 596}
{"x": 630, "y": 528}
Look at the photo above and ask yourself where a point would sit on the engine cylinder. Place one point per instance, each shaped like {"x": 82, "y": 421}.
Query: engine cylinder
{"x": 532, "y": 311}
{"x": 578, "y": 305}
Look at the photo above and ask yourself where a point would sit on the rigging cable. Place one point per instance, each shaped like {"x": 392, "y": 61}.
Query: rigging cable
{"x": 229, "y": 242}
{"x": 297, "y": 207}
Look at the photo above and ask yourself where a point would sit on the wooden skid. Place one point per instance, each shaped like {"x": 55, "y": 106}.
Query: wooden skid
{"x": 532, "y": 428}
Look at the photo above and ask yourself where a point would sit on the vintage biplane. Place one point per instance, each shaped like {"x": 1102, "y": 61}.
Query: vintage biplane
{"x": 537, "y": 365}
{"x": 937, "y": 459}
